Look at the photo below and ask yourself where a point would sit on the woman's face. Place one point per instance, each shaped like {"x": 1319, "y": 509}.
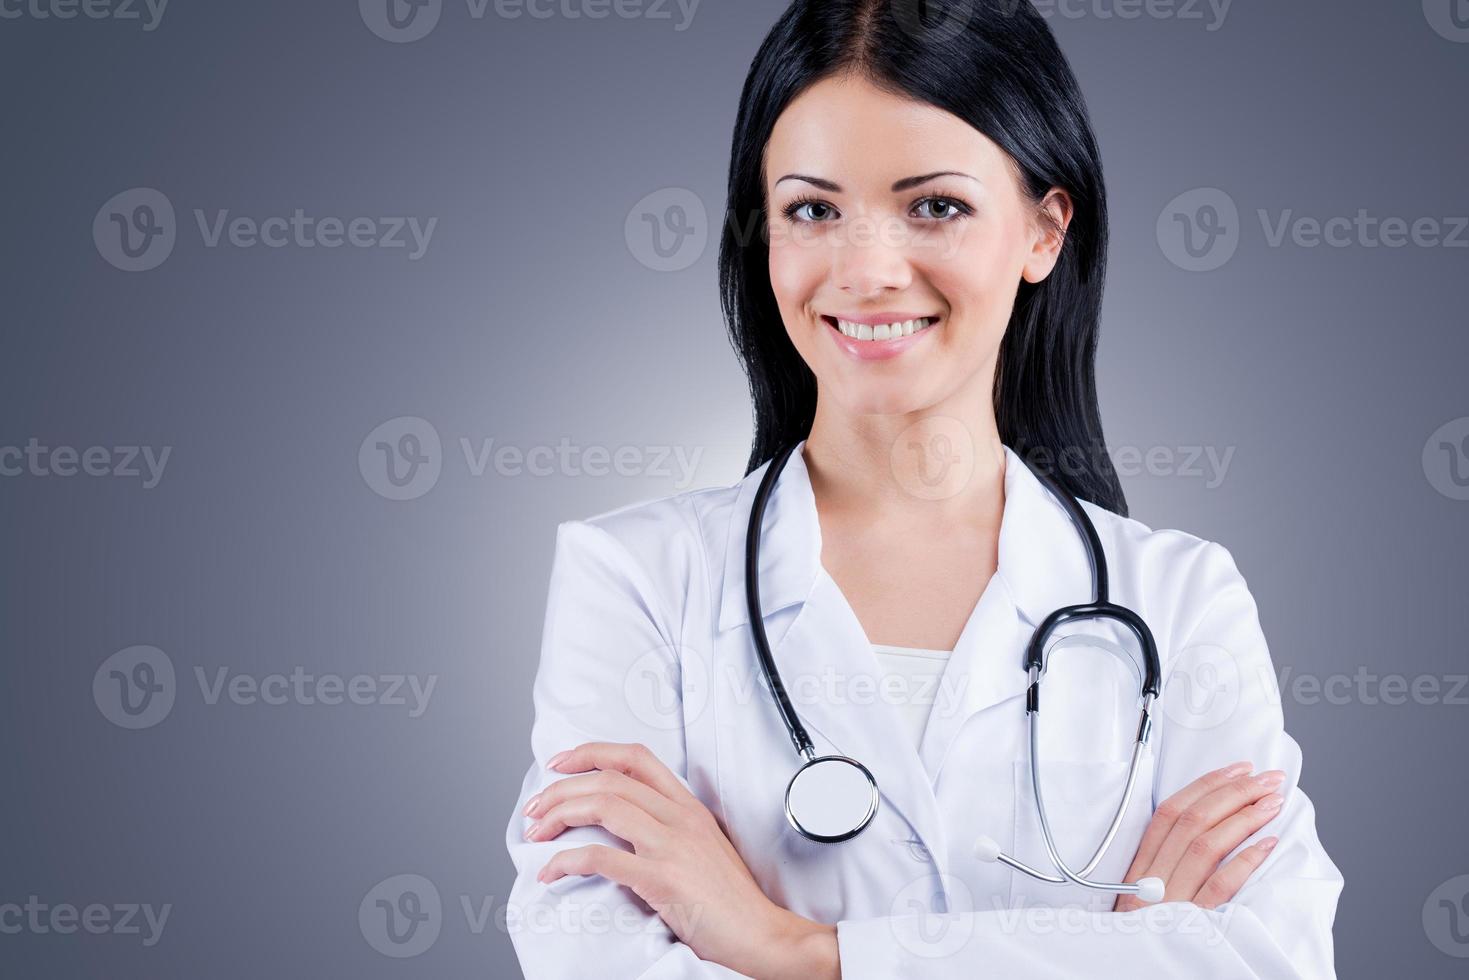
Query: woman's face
{"x": 861, "y": 232}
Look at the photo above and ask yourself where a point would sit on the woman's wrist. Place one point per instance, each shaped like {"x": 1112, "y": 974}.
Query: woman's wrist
{"x": 801, "y": 950}
{"x": 819, "y": 959}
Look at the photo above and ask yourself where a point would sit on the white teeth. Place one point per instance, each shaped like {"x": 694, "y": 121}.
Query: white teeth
{"x": 883, "y": 331}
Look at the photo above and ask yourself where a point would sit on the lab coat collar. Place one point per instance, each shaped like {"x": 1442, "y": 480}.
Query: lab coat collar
{"x": 1042, "y": 562}
{"x": 1042, "y": 566}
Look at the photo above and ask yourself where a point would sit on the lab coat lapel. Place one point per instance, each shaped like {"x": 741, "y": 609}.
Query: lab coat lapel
{"x": 1042, "y": 566}
{"x": 984, "y": 670}
{"x": 790, "y": 545}
{"x": 838, "y": 694}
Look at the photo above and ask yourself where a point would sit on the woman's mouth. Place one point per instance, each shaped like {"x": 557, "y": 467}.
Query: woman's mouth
{"x": 876, "y": 341}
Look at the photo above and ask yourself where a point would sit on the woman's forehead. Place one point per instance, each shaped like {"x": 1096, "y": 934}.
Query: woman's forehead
{"x": 847, "y": 130}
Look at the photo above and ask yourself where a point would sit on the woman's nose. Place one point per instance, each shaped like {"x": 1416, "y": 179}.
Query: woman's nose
{"x": 870, "y": 267}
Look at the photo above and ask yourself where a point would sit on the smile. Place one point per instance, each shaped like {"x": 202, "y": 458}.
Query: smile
{"x": 878, "y": 341}
{"x": 880, "y": 331}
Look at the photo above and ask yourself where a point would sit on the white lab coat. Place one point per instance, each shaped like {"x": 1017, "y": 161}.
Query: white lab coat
{"x": 647, "y": 640}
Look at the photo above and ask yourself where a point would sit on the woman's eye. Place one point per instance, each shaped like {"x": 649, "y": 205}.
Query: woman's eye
{"x": 809, "y": 211}
{"x": 941, "y": 208}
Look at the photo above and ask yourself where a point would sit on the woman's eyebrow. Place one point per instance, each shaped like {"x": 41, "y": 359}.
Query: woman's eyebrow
{"x": 902, "y": 185}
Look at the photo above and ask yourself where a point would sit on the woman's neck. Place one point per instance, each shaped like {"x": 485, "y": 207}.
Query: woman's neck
{"x": 908, "y": 471}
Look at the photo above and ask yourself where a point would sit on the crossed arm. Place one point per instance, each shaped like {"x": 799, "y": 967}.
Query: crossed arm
{"x": 622, "y": 835}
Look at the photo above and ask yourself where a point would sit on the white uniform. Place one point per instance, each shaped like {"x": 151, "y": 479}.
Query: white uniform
{"x": 647, "y": 640}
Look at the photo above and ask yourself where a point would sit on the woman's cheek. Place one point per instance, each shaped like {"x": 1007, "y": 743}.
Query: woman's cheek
{"x": 977, "y": 284}
{"x": 795, "y": 277}
{"x": 795, "y": 271}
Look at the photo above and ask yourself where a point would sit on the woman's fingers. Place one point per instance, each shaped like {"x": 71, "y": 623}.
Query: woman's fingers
{"x": 607, "y": 810}
{"x": 1193, "y": 829}
{"x": 630, "y": 758}
{"x": 1201, "y": 816}
{"x": 1163, "y": 818}
{"x": 593, "y": 859}
{"x": 1225, "y": 883}
{"x": 657, "y": 805}
{"x": 1201, "y": 859}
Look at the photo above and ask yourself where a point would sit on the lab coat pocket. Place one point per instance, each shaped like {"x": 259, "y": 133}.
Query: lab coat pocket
{"x": 1089, "y": 703}
{"x": 1081, "y": 799}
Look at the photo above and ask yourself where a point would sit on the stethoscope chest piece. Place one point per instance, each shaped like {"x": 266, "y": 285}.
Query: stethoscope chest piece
{"x": 831, "y": 799}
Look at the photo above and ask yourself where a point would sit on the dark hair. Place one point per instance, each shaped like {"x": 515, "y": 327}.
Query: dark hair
{"x": 996, "y": 65}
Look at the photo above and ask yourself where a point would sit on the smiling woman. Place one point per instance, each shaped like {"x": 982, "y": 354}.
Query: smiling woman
{"x": 919, "y": 322}
{"x": 955, "y": 243}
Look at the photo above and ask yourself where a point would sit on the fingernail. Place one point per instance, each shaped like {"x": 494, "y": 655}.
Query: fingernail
{"x": 556, "y": 759}
{"x": 531, "y": 804}
{"x": 531, "y": 830}
{"x": 1271, "y": 802}
{"x": 1268, "y": 843}
{"x": 1270, "y": 780}
{"x": 1238, "y": 769}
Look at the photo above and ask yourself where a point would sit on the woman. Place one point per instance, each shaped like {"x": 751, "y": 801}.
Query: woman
{"x": 912, "y": 272}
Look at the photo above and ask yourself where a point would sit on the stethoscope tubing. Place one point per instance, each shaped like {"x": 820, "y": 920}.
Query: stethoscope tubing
{"x": 799, "y": 736}
{"x": 1099, "y": 608}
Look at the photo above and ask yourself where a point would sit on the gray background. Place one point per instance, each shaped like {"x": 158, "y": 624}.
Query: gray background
{"x": 531, "y": 319}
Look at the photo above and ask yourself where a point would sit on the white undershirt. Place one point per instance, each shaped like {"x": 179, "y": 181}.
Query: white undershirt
{"x": 914, "y": 694}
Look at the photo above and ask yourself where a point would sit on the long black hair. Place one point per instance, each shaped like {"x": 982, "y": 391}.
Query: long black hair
{"x": 996, "y": 65}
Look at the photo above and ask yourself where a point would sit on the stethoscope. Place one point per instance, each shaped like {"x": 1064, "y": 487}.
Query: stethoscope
{"x": 832, "y": 798}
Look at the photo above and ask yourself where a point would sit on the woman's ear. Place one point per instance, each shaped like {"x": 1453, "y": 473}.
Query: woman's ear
{"x": 1051, "y": 220}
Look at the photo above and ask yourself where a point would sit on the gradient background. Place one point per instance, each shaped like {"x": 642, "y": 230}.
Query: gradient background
{"x": 540, "y": 314}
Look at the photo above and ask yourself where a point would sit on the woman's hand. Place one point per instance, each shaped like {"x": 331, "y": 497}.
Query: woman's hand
{"x": 682, "y": 864}
{"x": 1194, "y": 828}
